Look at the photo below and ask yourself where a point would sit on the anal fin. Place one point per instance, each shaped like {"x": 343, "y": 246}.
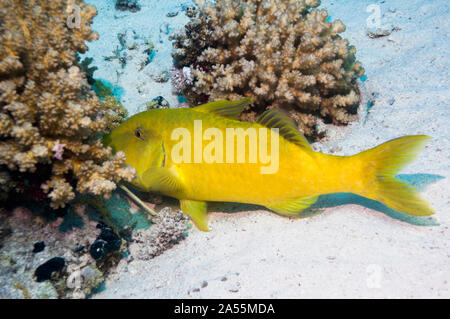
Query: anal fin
{"x": 197, "y": 212}
{"x": 292, "y": 207}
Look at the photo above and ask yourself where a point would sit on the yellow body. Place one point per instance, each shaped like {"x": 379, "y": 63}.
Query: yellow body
{"x": 302, "y": 175}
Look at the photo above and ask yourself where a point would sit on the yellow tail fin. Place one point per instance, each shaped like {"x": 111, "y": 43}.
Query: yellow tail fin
{"x": 386, "y": 160}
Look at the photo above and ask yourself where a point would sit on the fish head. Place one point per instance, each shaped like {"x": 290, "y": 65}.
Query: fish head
{"x": 141, "y": 142}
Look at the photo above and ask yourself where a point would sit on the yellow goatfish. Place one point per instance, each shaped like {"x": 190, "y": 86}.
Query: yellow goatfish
{"x": 205, "y": 154}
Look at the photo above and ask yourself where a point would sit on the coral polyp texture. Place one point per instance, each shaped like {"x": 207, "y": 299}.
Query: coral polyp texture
{"x": 49, "y": 117}
{"x": 284, "y": 54}
{"x": 170, "y": 228}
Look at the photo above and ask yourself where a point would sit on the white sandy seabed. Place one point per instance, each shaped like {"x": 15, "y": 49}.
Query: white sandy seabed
{"x": 354, "y": 247}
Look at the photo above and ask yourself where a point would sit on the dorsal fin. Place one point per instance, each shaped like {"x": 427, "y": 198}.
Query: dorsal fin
{"x": 277, "y": 119}
{"x": 229, "y": 109}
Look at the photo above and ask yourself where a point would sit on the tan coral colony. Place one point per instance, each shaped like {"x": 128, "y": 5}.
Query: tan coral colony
{"x": 283, "y": 53}
{"x": 48, "y": 113}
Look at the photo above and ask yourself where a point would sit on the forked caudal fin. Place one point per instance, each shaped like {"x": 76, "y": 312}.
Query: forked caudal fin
{"x": 382, "y": 163}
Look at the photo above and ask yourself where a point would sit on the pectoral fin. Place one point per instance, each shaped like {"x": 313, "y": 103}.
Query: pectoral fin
{"x": 162, "y": 179}
{"x": 292, "y": 207}
{"x": 197, "y": 212}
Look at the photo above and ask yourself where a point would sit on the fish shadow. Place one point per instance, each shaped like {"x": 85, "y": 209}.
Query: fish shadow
{"x": 419, "y": 181}
{"x": 230, "y": 207}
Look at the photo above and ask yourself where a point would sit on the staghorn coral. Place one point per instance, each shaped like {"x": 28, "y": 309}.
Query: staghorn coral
{"x": 284, "y": 54}
{"x": 50, "y": 120}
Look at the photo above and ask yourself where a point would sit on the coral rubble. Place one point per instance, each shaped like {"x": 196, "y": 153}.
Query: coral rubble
{"x": 170, "y": 227}
{"x": 79, "y": 250}
{"x": 49, "y": 117}
{"x": 284, "y": 54}
{"x": 64, "y": 269}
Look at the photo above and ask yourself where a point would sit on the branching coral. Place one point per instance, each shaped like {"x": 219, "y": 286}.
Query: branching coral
{"x": 48, "y": 114}
{"x": 282, "y": 53}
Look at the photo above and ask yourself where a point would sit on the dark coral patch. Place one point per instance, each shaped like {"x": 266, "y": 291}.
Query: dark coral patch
{"x": 45, "y": 271}
{"x": 38, "y": 247}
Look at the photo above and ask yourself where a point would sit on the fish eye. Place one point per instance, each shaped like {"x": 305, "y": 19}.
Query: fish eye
{"x": 139, "y": 134}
